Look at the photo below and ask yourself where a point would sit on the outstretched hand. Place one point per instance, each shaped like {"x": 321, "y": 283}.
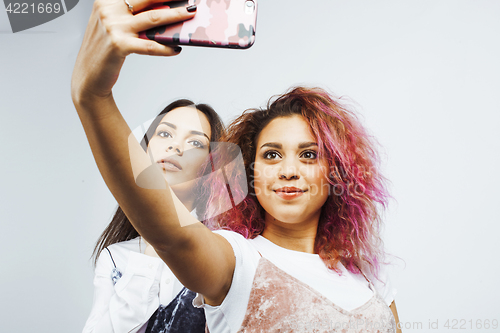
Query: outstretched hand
{"x": 111, "y": 35}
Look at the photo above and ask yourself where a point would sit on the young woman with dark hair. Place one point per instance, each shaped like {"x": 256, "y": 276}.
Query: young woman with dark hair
{"x": 120, "y": 229}
{"x": 134, "y": 290}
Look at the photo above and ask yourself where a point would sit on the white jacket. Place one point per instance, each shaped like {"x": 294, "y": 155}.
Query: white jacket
{"x": 146, "y": 283}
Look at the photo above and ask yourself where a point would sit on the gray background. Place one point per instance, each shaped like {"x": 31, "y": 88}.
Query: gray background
{"x": 423, "y": 74}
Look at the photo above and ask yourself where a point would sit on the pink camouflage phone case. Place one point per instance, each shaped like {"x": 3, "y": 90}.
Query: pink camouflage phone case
{"x": 218, "y": 23}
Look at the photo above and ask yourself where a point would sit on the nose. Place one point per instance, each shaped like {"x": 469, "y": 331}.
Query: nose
{"x": 288, "y": 171}
{"x": 175, "y": 147}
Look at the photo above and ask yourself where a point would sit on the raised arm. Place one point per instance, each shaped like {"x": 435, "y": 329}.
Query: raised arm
{"x": 201, "y": 260}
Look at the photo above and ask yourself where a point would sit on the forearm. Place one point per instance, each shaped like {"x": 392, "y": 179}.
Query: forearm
{"x": 120, "y": 159}
{"x": 202, "y": 261}
{"x": 110, "y": 36}
{"x": 155, "y": 213}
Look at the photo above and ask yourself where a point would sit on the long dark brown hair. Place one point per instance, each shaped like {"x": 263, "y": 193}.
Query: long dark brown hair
{"x": 120, "y": 229}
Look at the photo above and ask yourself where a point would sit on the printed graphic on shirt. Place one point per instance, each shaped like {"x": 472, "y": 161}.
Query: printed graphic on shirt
{"x": 220, "y": 172}
{"x": 180, "y": 316}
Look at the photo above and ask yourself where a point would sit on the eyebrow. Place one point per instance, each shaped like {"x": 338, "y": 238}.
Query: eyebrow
{"x": 277, "y": 145}
{"x": 272, "y": 145}
{"x": 307, "y": 144}
{"x": 191, "y": 132}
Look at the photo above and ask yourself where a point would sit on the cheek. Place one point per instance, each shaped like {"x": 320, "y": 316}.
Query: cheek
{"x": 262, "y": 178}
{"x": 153, "y": 148}
{"x": 151, "y": 152}
{"x": 314, "y": 172}
{"x": 318, "y": 182}
{"x": 195, "y": 159}
{"x": 265, "y": 173}
{"x": 256, "y": 184}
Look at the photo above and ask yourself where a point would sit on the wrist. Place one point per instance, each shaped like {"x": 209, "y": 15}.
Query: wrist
{"x": 90, "y": 101}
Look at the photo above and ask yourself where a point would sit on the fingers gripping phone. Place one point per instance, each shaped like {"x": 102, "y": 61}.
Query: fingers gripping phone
{"x": 217, "y": 23}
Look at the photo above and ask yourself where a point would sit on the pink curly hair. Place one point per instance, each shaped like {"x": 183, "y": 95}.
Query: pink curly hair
{"x": 350, "y": 222}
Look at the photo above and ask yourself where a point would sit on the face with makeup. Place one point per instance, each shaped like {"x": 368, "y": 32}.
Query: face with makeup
{"x": 289, "y": 179}
{"x": 180, "y": 145}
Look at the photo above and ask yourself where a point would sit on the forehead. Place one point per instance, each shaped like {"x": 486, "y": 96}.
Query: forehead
{"x": 188, "y": 119}
{"x": 286, "y": 130}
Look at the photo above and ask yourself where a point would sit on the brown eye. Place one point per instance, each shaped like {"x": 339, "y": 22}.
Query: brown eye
{"x": 271, "y": 155}
{"x": 197, "y": 144}
{"x": 310, "y": 154}
{"x": 164, "y": 134}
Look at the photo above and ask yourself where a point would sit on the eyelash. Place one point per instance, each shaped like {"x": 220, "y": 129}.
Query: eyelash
{"x": 201, "y": 145}
{"x": 269, "y": 152}
{"x": 161, "y": 134}
{"x": 195, "y": 143}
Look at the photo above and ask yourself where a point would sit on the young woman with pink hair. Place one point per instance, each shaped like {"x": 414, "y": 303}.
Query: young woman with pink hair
{"x": 306, "y": 238}
{"x": 302, "y": 252}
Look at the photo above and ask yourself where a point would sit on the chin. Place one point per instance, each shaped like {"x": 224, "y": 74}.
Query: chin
{"x": 176, "y": 180}
{"x": 188, "y": 185}
{"x": 288, "y": 216}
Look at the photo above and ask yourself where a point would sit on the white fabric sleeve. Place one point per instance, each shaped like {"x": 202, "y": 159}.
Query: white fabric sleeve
{"x": 228, "y": 316}
{"x": 128, "y": 305}
{"x": 384, "y": 285}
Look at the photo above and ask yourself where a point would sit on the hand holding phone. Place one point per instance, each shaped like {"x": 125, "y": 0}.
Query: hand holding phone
{"x": 111, "y": 35}
{"x": 217, "y": 23}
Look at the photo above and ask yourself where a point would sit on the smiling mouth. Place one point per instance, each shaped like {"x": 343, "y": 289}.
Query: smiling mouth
{"x": 169, "y": 165}
{"x": 289, "y": 193}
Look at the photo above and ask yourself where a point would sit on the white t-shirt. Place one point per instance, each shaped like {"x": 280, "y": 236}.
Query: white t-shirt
{"x": 347, "y": 290}
{"x": 146, "y": 283}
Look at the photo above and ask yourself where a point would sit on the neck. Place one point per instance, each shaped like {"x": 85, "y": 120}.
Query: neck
{"x": 186, "y": 197}
{"x": 188, "y": 202}
{"x": 297, "y": 236}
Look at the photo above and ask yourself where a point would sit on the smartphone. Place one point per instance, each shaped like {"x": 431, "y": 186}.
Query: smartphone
{"x": 217, "y": 23}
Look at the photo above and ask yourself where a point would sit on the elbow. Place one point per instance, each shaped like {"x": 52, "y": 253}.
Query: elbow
{"x": 168, "y": 247}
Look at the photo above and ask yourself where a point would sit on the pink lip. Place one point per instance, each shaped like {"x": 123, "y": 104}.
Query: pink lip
{"x": 169, "y": 164}
{"x": 289, "y": 192}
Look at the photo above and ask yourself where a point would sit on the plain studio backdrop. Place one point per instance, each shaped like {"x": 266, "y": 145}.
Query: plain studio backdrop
{"x": 424, "y": 75}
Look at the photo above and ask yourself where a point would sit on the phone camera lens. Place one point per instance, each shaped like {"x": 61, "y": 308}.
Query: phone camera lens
{"x": 250, "y": 7}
